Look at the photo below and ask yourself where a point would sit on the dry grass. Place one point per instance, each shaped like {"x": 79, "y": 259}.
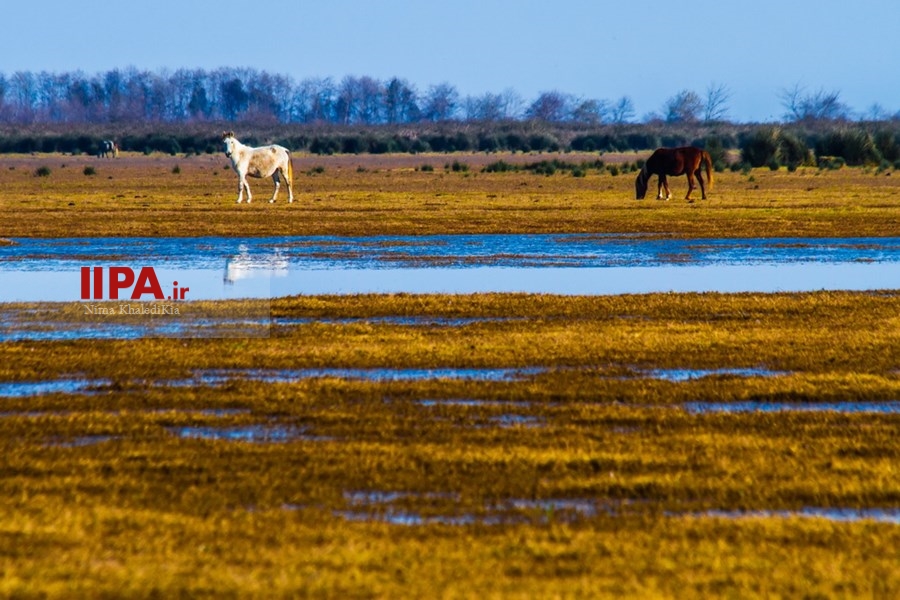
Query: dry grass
{"x": 102, "y": 496}
{"x": 372, "y": 195}
{"x": 586, "y": 479}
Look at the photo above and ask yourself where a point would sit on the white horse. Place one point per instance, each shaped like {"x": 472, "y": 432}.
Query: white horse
{"x": 266, "y": 161}
{"x": 108, "y": 149}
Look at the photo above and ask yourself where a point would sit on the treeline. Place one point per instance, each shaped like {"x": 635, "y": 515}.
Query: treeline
{"x": 823, "y": 144}
{"x": 241, "y": 95}
{"x": 249, "y": 95}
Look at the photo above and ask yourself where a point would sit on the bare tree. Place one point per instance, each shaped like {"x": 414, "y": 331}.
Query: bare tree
{"x": 441, "y": 102}
{"x": 817, "y": 106}
{"x": 592, "y": 112}
{"x": 622, "y": 111}
{"x": 401, "y": 103}
{"x": 551, "y": 106}
{"x": 717, "y": 97}
{"x": 683, "y": 107}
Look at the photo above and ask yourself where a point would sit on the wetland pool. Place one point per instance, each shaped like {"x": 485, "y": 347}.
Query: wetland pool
{"x": 215, "y": 268}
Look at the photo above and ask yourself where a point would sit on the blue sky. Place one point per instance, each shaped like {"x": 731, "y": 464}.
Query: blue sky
{"x": 592, "y": 49}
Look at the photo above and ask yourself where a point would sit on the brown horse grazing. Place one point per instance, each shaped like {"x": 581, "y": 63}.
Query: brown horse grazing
{"x": 674, "y": 161}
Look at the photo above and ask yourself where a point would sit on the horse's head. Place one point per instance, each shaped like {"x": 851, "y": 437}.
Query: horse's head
{"x": 229, "y": 142}
{"x": 640, "y": 185}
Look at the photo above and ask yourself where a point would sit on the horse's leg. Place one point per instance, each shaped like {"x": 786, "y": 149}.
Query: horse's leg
{"x": 699, "y": 174}
{"x": 277, "y": 179}
{"x": 690, "y": 178}
{"x": 243, "y": 185}
{"x": 287, "y": 178}
{"x": 240, "y": 189}
{"x": 662, "y": 183}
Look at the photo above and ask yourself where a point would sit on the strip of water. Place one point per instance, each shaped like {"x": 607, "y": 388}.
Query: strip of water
{"x": 222, "y": 376}
{"x": 259, "y": 433}
{"x": 842, "y": 515}
{"x": 223, "y": 268}
{"x": 679, "y": 375}
{"x": 24, "y": 389}
{"x": 889, "y": 408}
{"x": 219, "y": 377}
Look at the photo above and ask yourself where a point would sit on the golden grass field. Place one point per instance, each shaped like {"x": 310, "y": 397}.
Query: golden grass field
{"x": 387, "y": 195}
{"x": 585, "y": 478}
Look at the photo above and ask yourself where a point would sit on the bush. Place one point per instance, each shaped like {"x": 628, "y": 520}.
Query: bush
{"x": 324, "y": 145}
{"x": 773, "y": 147}
{"x": 887, "y": 146}
{"x": 855, "y": 146}
{"x": 713, "y": 145}
{"x": 42, "y": 171}
{"x": 500, "y": 167}
{"x": 793, "y": 152}
{"x": 760, "y": 147}
{"x": 90, "y": 171}
{"x": 832, "y": 163}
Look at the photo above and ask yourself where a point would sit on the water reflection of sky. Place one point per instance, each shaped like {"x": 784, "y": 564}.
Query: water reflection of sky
{"x": 223, "y": 268}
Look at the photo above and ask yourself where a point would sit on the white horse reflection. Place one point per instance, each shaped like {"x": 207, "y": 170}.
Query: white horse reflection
{"x": 243, "y": 265}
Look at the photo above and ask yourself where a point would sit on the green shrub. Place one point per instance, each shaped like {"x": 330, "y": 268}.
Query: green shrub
{"x": 832, "y": 163}
{"x": 42, "y": 171}
{"x": 793, "y": 151}
{"x": 855, "y": 146}
{"x": 760, "y": 147}
{"x": 773, "y": 147}
{"x": 500, "y": 166}
{"x": 887, "y": 146}
{"x": 90, "y": 170}
{"x": 713, "y": 145}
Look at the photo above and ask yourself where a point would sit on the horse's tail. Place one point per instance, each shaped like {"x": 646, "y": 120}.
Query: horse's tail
{"x": 290, "y": 169}
{"x": 707, "y": 160}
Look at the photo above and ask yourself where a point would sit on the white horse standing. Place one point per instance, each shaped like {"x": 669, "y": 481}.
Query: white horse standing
{"x": 266, "y": 161}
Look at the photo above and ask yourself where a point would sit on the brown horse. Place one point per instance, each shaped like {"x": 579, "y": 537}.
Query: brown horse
{"x": 674, "y": 161}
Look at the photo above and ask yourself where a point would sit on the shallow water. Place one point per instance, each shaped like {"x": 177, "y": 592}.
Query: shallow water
{"x": 259, "y": 433}
{"x": 678, "y": 375}
{"x": 382, "y": 507}
{"x": 890, "y": 408}
{"x": 841, "y": 515}
{"x": 222, "y": 268}
{"x": 23, "y": 389}
{"x": 221, "y": 376}
{"x": 218, "y": 377}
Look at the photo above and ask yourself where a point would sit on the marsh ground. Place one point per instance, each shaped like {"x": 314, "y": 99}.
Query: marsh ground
{"x": 587, "y": 476}
{"x": 381, "y": 195}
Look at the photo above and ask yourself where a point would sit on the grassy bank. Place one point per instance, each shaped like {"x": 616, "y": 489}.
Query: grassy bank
{"x": 588, "y": 476}
{"x": 351, "y": 195}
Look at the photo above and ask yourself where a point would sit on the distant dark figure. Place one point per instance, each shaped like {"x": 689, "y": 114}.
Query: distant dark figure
{"x": 108, "y": 149}
{"x": 674, "y": 161}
